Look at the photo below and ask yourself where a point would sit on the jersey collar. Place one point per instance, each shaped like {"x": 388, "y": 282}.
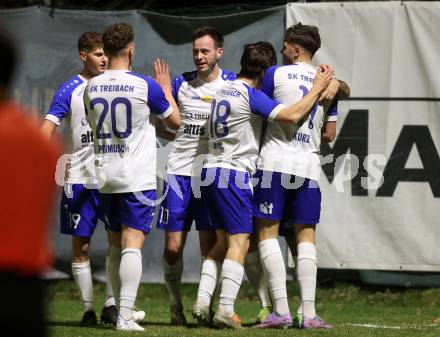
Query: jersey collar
{"x": 220, "y": 73}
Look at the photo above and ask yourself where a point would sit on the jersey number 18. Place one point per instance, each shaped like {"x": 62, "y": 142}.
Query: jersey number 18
{"x": 219, "y": 113}
{"x": 315, "y": 107}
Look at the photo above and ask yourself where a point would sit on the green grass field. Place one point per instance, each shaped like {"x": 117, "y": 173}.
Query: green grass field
{"x": 395, "y": 312}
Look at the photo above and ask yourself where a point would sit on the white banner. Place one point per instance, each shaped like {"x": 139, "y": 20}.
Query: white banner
{"x": 382, "y": 209}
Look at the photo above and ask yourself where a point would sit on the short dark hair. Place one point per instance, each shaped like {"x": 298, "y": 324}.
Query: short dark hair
{"x": 256, "y": 58}
{"x": 305, "y": 35}
{"x": 8, "y": 58}
{"x": 89, "y": 41}
{"x": 116, "y": 37}
{"x": 212, "y": 32}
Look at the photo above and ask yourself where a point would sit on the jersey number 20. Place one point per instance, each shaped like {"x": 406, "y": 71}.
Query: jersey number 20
{"x": 105, "y": 107}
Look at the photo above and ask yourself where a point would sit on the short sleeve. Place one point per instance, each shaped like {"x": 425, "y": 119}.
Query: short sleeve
{"x": 268, "y": 81}
{"x": 332, "y": 112}
{"x": 60, "y": 106}
{"x": 157, "y": 101}
{"x": 260, "y": 104}
{"x": 175, "y": 87}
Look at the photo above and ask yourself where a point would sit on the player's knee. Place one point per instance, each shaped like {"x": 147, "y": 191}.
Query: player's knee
{"x": 205, "y": 248}
{"x": 221, "y": 244}
{"x": 173, "y": 251}
{"x": 80, "y": 250}
{"x": 207, "y": 239}
{"x": 266, "y": 229}
{"x": 239, "y": 245}
{"x": 80, "y": 258}
{"x": 81, "y": 253}
{"x": 172, "y": 258}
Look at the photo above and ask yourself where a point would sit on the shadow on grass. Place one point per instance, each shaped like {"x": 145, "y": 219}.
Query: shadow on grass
{"x": 187, "y": 326}
{"x": 76, "y": 325}
{"x": 110, "y": 327}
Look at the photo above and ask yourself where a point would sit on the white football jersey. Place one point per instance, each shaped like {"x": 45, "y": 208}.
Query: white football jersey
{"x": 289, "y": 148}
{"x": 235, "y": 126}
{"x": 118, "y": 105}
{"x": 68, "y": 105}
{"x": 194, "y": 97}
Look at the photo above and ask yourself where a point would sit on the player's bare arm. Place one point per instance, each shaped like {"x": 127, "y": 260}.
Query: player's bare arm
{"x": 295, "y": 113}
{"x": 47, "y": 128}
{"x": 344, "y": 90}
{"x": 161, "y": 130}
{"x": 328, "y": 132}
{"x": 336, "y": 88}
{"x": 330, "y": 92}
{"x": 162, "y": 76}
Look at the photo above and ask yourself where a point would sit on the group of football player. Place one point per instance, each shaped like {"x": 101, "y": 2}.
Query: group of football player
{"x": 244, "y": 167}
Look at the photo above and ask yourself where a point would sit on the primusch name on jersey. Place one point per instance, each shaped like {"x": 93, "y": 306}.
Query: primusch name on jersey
{"x": 114, "y": 148}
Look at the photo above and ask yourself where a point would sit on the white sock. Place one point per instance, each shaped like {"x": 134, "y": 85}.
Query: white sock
{"x": 231, "y": 278}
{"x": 208, "y": 281}
{"x": 173, "y": 275}
{"x": 130, "y": 273}
{"x": 275, "y": 270}
{"x": 110, "y": 300}
{"x": 255, "y": 274}
{"x": 295, "y": 259}
{"x": 307, "y": 268}
{"x": 114, "y": 258}
{"x": 82, "y": 274}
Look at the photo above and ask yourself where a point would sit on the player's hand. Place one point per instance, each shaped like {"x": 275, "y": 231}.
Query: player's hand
{"x": 325, "y": 67}
{"x": 322, "y": 79}
{"x": 162, "y": 74}
{"x": 330, "y": 92}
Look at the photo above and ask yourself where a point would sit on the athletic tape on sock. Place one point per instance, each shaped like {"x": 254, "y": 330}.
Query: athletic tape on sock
{"x": 307, "y": 250}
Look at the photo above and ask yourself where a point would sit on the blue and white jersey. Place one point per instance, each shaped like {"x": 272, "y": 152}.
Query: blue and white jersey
{"x": 235, "y": 126}
{"x": 119, "y": 104}
{"x": 288, "y": 148}
{"x": 194, "y": 97}
{"x": 67, "y": 105}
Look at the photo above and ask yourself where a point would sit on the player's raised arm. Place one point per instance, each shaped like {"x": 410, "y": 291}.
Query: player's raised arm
{"x": 344, "y": 90}
{"x": 336, "y": 89}
{"x": 162, "y": 77}
{"x": 295, "y": 113}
